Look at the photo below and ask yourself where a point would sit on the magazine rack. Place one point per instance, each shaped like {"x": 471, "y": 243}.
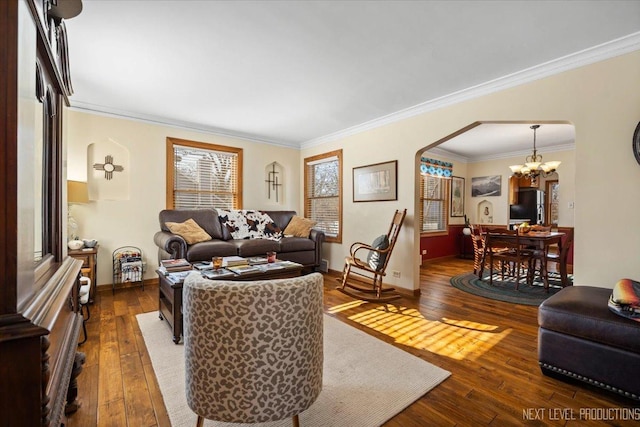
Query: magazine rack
{"x": 128, "y": 266}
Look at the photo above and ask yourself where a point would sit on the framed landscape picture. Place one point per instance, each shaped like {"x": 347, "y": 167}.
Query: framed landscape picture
{"x": 457, "y": 196}
{"x": 484, "y": 186}
{"x": 377, "y": 182}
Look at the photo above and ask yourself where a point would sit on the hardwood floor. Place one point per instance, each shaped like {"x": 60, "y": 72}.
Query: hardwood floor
{"x": 490, "y": 348}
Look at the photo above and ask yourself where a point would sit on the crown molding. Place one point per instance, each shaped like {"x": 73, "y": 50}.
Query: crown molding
{"x": 588, "y": 56}
{"x": 163, "y": 121}
{"x": 449, "y": 155}
{"x": 617, "y": 47}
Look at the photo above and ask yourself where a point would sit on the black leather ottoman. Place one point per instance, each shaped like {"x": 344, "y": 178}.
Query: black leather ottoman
{"x": 579, "y": 337}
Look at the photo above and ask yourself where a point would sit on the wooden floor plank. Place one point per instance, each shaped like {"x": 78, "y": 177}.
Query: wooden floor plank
{"x": 490, "y": 348}
{"x": 136, "y": 392}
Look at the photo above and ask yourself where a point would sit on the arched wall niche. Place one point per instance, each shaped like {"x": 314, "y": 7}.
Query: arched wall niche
{"x": 108, "y": 171}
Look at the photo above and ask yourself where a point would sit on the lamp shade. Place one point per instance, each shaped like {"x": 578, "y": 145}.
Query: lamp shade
{"x": 77, "y": 192}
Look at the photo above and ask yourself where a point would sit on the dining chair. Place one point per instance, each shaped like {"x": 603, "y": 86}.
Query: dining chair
{"x": 504, "y": 246}
{"x": 482, "y": 232}
{"x": 538, "y": 262}
{"x": 561, "y": 258}
{"x": 477, "y": 238}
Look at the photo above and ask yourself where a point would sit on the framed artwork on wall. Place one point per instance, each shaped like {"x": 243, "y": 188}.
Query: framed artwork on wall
{"x": 375, "y": 183}
{"x": 456, "y": 208}
{"x": 484, "y": 186}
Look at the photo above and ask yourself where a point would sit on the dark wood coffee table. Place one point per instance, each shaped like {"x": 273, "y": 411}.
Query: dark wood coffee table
{"x": 170, "y": 294}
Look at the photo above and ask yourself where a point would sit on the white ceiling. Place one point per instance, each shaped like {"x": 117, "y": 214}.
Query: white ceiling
{"x": 301, "y": 73}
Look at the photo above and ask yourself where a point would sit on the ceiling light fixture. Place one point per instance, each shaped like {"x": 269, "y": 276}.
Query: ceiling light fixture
{"x": 533, "y": 166}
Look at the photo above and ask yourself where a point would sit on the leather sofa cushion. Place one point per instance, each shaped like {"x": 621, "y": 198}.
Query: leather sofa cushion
{"x": 255, "y": 247}
{"x": 203, "y": 251}
{"x": 295, "y": 244}
{"x": 582, "y": 311}
{"x": 281, "y": 218}
{"x": 207, "y": 218}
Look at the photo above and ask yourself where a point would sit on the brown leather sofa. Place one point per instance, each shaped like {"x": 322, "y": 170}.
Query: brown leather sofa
{"x": 306, "y": 251}
{"x": 580, "y": 338}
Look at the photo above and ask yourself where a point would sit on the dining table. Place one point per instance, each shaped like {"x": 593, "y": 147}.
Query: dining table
{"x": 539, "y": 242}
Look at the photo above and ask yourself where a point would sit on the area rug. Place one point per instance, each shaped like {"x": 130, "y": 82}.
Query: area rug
{"x": 502, "y": 291}
{"x": 366, "y": 381}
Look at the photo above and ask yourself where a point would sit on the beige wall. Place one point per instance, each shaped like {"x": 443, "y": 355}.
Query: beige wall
{"x": 601, "y": 100}
{"x": 116, "y": 223}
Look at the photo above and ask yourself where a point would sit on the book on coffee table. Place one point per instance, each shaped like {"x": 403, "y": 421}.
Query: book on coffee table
{"x": 171, "y": 265}
{"x": 257, "y": 260}
{"x": 230, "y": 261}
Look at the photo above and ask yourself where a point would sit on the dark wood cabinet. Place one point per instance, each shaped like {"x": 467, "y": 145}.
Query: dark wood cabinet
{"x": 39, "y": 309}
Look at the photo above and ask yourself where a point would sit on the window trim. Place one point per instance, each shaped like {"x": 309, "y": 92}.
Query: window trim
{"x": 445, "y": 231}
{"x": 316, "y": 158}
{"x": 171, "y": 142}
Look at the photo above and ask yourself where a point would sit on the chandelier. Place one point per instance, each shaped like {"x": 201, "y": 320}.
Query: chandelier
{"x": 533, "y": 166}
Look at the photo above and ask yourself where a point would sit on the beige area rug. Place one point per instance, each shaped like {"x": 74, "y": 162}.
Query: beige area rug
{"x": 366, "y": 381}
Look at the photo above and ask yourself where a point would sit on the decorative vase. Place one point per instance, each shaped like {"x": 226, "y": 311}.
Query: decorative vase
{"x": 74, "y": 245}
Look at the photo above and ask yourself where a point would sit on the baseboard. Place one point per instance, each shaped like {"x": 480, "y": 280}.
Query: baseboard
{"x": 408, "y": 293}
{"x": 107, "y": 287}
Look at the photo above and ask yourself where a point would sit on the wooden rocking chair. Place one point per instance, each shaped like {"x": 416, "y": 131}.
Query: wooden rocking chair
{"x": 369, "y": 284}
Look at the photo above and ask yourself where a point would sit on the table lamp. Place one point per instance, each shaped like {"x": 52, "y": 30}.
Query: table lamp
{"x": 77, "y": 193}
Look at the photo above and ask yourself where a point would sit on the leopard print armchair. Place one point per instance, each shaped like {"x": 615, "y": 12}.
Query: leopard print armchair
{"x": 253, "y": 350}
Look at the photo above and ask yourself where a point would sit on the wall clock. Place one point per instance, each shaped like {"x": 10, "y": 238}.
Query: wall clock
{"x": 636, "y": 143}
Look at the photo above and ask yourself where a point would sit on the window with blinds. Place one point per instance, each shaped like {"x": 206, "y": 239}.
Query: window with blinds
{"x": 323, "y": 193}
{"x": 433, "y": 200}
{"x": 203, "y": 175}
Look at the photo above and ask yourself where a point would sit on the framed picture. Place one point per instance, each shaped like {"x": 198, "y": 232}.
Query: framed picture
{"x": 457, "y": 196}
{"x": 484, "y": 186}
{"x": 377, "y": 182}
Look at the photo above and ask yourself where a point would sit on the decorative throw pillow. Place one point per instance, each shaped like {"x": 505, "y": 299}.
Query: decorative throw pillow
{"x": 625, "y": 299}
{"x": 248, "y": 224}
{"x": 190, "y": 231}
{"x": 375, "y": 259}
{"x": 299, "y": 226}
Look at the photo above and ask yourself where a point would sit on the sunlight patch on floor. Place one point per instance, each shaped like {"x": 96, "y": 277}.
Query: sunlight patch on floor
{"x": 455, "y": 338}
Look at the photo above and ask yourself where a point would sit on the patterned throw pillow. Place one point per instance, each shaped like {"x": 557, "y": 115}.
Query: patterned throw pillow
{"x": 249, "y": 224}
{"x": 190, "y": 231}
{"x": 375, "y": 259}
{"x": 299, "y": 227}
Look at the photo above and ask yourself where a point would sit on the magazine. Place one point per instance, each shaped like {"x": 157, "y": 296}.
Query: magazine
{"x": 243, "y": 269}
{"x": 257, "y": 260}
{"x": 178, "y": 277}
{"x": 214, "y": 274}
{"x": 203, "y": 265}
{"x": 271, "y": 266}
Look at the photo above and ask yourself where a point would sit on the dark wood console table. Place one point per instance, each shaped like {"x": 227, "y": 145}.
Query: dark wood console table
{"x": 170, "y": 294}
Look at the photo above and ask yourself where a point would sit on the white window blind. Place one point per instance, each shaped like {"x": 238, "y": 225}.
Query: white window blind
{"x": 433, "y": 197}
{"x": 204, "y": 178}
{"x": 323, "y": 199}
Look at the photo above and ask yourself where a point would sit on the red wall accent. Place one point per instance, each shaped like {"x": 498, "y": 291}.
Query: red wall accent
{"x": 448, "y": 245}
